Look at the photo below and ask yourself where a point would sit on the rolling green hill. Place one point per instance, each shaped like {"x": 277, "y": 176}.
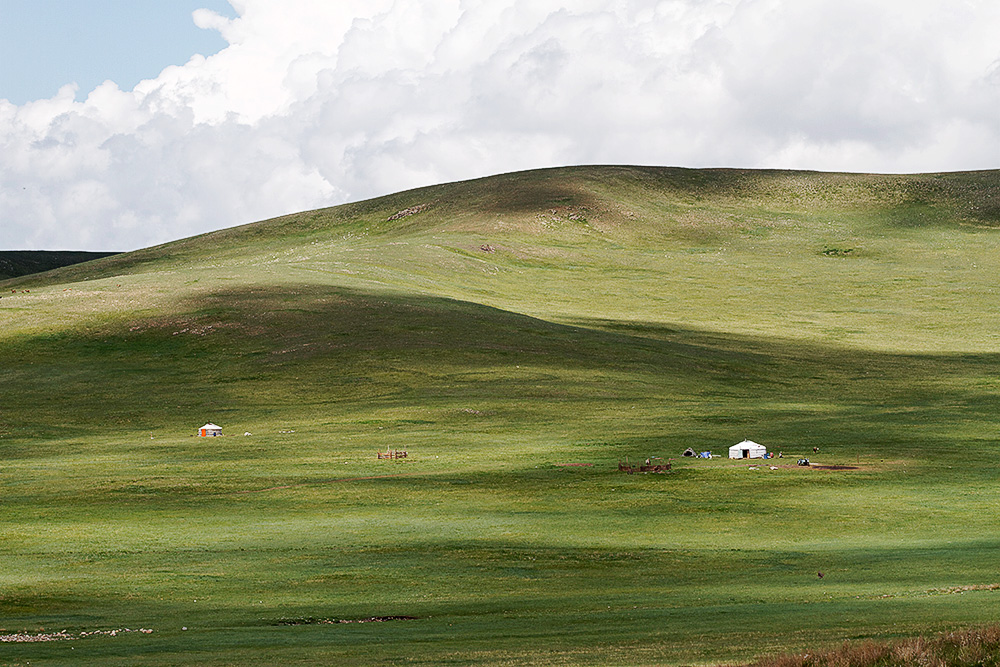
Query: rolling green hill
{"x": 498, "y": 330}
{"x": 16, "y": 263}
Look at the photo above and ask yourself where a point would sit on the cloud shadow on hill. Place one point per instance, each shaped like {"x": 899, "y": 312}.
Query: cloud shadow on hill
{"x": 290, "y": 349}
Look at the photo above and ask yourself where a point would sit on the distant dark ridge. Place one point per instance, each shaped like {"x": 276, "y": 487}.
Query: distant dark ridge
{"x": 17, "y": 263}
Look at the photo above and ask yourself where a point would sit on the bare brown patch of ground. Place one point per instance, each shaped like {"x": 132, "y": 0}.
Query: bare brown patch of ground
{"x": 336, "y": 621}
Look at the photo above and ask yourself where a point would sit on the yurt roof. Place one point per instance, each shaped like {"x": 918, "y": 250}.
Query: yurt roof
{"x": 747, "y": 444}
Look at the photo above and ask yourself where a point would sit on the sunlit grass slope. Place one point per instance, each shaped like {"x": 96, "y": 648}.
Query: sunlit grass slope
{"x": 496, "y": 329}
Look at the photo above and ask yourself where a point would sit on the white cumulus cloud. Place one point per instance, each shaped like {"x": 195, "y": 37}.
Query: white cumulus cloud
{"x": 315, "y": 103}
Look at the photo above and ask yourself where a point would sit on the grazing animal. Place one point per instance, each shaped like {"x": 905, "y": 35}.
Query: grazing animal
{"x": 820, "y": 574}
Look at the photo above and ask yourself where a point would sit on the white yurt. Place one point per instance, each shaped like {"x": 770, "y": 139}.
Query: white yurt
{"x": 748, "y": 449}
{"x": 209, "y": 430}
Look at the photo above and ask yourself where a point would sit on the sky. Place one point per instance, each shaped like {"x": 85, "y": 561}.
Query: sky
{"x": 45, "y": 44}
{"x": 128, "y": 123}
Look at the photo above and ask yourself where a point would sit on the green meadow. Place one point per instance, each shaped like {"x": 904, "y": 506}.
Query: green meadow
{"x": 498, "y": 330}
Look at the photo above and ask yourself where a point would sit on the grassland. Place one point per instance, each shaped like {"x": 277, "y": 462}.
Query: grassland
{"x": 497, "y": 329}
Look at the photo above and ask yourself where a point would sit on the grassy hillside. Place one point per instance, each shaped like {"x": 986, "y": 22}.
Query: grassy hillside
{"x": 496, "y": 330}
{"x": 16, "y": 263}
